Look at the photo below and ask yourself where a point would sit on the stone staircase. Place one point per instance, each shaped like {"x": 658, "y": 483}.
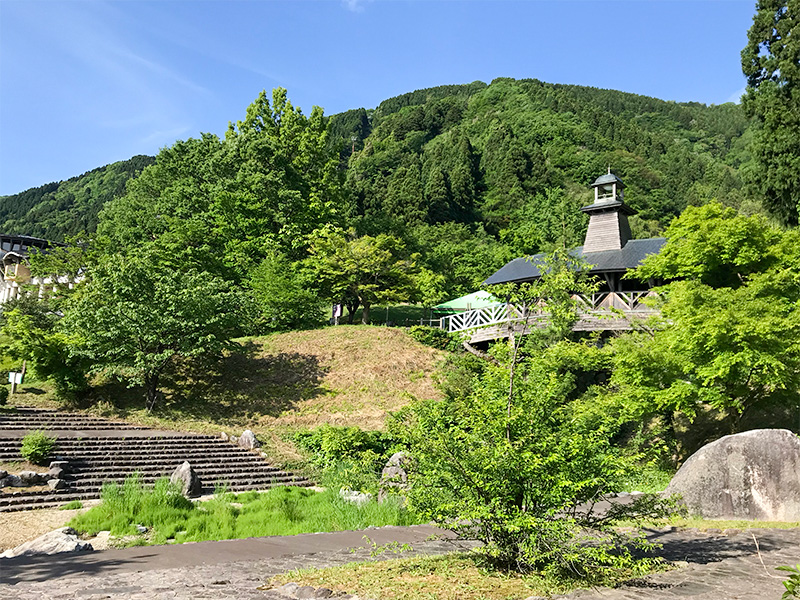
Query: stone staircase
{"x": 27, "y": 419}
{"x": 113, "y": 453}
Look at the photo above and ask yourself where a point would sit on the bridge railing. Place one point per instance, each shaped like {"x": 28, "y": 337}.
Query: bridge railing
{"x": 601, "y": 302}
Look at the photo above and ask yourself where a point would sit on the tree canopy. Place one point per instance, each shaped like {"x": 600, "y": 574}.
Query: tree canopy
{"x": 771, "y": 63}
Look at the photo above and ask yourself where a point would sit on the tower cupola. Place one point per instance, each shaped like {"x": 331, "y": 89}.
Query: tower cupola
{"x": 608, "y": 187}
{"x": 608, "y": 216}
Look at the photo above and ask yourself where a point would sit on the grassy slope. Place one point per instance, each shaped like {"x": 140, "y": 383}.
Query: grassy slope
{"x": 347, "y": 375}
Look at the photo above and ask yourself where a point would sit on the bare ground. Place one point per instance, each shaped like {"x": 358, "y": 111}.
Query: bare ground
{"x": 23, "y": 526}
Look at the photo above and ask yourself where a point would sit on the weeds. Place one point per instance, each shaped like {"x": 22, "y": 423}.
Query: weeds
{"x": 280, "y": 511}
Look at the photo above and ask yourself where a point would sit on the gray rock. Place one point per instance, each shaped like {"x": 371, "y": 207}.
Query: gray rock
{"x": 57, "y": 484}
{"x": 753, "y": 475}
{"x": 223, "y": 436}
{"x": 3, "y": 474}
{"x": 60, "y": 464}
{"x": 323, "y": 593}
{"x": 11, "y": 481}
{"x": 248, "y": 440}
{"x": 394, "y": 477}
{"x": 141, "y": 528}
{"x": 54, "y": 542}
{"x": 189, "y": 481}
{"x": 289, "y": 589}
{"x": 357, "y": 498}
{"x": 32, "y": 478}
{"x": 233, "y": 439}
{"x": 55, "y": 473}
{"x": 305, "y": 591}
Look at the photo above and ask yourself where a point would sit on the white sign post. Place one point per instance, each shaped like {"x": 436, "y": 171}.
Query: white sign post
{"x": 14, "y": 378}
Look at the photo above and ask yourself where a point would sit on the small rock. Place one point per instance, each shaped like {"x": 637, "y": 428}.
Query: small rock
{"x": 57, "y": 484}
{"x": 3, "y": 474}
{"x": 141, "y": 528}
{"x": 233, "y": 439}
{"x": 357, "y": 498}
{"x": 60, "y": 464}
{"x": 54, "y": 542}
{"x": 223, "y": 436}
{"x": 188, "y": 479}
{"x": 55, "y": 473}
{"x": 248, "y": 440}
{"x": 305, "y": 591}
{"x": 289, "y": 589}
{"x": 30, "y": 478}
{"x": 394, "y": 478}
{"x": 11, "y": 481}
{"x": 323, "y": 593}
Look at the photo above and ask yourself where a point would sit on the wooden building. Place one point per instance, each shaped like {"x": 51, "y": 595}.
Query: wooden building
{"x": 610, "y": 252}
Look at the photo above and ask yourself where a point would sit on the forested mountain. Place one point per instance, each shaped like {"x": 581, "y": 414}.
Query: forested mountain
{"x": 57, "y": 210}
{"x": 466, "y": 175}
{"x": 488, "y": 154}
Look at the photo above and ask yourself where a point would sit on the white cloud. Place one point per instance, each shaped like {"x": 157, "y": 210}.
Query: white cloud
{"x": 355, "y": 5}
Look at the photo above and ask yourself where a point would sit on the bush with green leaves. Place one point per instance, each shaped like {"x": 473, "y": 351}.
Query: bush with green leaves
{"x": 792, "y": 584}
{"x": 348, "y": 456}
{"x": 435, "y": 337}
{"x": 518, "y": 474}
{"x": 37, "y": 446}
{"x": 3, "y": 395}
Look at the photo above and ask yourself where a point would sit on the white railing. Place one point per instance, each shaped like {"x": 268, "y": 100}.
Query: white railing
{"x": 601, "y": 302}
{"x": 481, "y": 317}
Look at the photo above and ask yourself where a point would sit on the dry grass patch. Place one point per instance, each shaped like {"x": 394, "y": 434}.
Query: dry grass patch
{"x": 450, "y": 577}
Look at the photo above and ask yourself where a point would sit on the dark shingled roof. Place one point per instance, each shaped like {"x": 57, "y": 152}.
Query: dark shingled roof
{"x": 608, "y": 178}
{"x": 630, "y": 256}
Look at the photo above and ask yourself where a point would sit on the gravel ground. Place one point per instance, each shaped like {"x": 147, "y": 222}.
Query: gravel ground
{"x": 23, "y": 526}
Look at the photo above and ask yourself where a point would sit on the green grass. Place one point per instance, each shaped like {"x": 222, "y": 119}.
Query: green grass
{"x": 648, "y": 479}
{"x": 280, "y": 511}
{"x": 74, "y": 505}
{"x": 457, "y": 576}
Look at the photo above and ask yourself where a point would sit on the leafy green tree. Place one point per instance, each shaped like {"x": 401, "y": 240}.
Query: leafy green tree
{"x": 361, "y": 271}
{"x": 771, "y": 63}
{"x": 729, "y": 333}
{"x": 31, "y": 332}
{"x": 506, "y": 462}
{"x": 284, "y": 296}
{"x": 136, "y": 314}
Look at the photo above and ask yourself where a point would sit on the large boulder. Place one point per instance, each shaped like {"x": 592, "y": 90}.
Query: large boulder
{"x": 394, "y": 478}
{"x": 248, "y": 440}
{"x": 54, "y": 542}
{"x": 753, "y": 475}
{"x": 186, "y": 477}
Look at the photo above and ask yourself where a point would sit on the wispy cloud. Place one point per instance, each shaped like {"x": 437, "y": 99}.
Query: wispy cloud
{"x": 736, "y": 97}
{"x": 355, "y": 5}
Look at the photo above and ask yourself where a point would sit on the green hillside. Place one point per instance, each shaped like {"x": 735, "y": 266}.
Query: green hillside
{"x": 481, "y": 154}
{"x": 467, "y": 176}
{"x": 61, "y": 209}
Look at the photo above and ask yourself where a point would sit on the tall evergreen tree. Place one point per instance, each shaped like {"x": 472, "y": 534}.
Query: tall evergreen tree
{"x": 771, "y": 63}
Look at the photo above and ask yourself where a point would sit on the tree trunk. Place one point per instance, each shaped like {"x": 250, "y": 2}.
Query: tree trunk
{"x": 151, "y": 390}
{"x": 365, "y": 314}
{"x": 352, "y": 307}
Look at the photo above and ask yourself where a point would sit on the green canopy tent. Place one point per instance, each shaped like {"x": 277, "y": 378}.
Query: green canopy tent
{"x": 479, "y": 299}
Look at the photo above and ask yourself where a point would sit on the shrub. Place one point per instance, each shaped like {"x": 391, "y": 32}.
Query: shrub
{"x": 435, "y": 337}
{"x": 3, "y": 395}
{"x": 348, "y": 456}
{"x": 37, "y": 446}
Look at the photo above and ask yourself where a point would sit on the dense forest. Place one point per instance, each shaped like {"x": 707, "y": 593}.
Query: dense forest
{"x": 59, "y": 210}
{"x": 498, "y": 168}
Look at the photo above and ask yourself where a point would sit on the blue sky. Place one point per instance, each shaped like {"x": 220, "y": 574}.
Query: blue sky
{"x": 86, "y": 83}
